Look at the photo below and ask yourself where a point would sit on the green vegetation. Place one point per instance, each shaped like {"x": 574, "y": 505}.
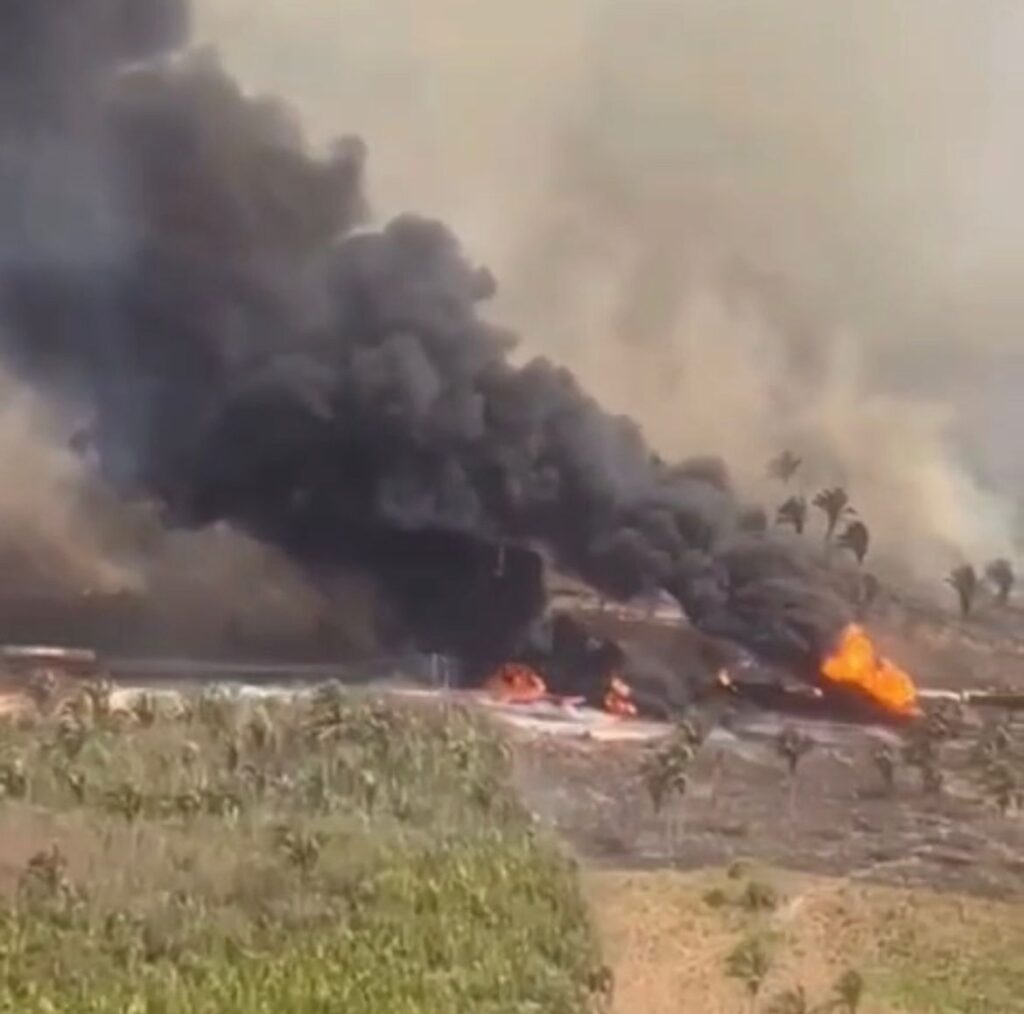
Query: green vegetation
{"x": 239, "y": 857}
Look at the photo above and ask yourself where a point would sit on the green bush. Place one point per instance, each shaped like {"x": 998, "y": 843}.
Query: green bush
{"x": 343, "y": 854}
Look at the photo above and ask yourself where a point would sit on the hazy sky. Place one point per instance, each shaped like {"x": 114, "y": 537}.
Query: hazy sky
{"x": 748, "y": 223}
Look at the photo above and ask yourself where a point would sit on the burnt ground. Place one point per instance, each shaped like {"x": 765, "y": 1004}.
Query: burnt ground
{"x": 839, "y": 821}
{"x": 740, "y": 805}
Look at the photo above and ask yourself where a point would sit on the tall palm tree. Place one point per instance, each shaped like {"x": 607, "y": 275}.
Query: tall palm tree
{"x": 856, "y": 538}
{"x": 793, "y": 512}
{"x": 835, "y": 504}
{"x": 964, "y": 581}
{"x": 1001, "y": 576}
{"x": 792, "y": 746}
{"x": 784, "y": 466}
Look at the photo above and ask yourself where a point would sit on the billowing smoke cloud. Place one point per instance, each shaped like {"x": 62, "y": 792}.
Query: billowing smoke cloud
{"x": 249, "y": 354}
{"x": 78, "y": 561}
{"x": 748, "y": 225}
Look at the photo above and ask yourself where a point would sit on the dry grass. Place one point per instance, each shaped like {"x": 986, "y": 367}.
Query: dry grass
{"x": 919, "y": 953}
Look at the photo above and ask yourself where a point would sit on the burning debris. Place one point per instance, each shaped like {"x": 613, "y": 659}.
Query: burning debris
{"x": 856, "y": 665}
{"x": 517, "y": 684}
{"x": 856, "y": 683}
{"x": 618, "y": 699}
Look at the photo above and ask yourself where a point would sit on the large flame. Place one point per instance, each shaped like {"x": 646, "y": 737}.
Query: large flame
{"x": 856, "y": 663}
{"x": 517, "y": 684}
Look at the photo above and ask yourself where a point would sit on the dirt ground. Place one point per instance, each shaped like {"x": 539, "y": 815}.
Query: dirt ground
{"x": 918, "y": 952}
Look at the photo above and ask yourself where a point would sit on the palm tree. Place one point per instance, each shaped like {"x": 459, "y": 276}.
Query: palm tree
{"x": 835, "y": 504}
{"x": 964, "y": 581}
{"x": 856, "y": 538}
{"x": 42, "y": 688}
{"x": 789, "y": 1001}
{"x": 1001, "y": 576}
{"x": 870, "y": 586}
{"x": 1004, "y": 787}
{"x": 784, "y": 466}
{"x": 849, "y": 991}
{"x": 884, "y": 759}
{"x": 750, "y": 963}
{"x": 665, "y": 777}
{"x": 793, "y": 512}
{"x": 792, "y": 746}
{"x": 665, "y": 772}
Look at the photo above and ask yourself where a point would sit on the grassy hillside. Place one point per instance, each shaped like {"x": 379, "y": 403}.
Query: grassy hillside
{"x": 238, "y": 858}
{"x": 672, "y": 938}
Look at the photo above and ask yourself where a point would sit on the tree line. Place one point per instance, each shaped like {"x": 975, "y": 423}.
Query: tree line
{"x": 844, "y": 530}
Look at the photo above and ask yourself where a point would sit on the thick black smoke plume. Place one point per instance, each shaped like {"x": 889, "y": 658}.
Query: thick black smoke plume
{"x": 171, "y": 253}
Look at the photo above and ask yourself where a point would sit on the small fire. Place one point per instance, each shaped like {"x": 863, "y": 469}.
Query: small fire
{"x": 513, "y": 683}
{"x": 856, "y": 663}
{"x": 618, "y": 699}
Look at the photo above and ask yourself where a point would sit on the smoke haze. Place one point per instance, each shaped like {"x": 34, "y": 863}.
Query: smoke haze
{"x": 183, "y": 271}
{"x": 749, "y": 225}
{"x": 748, "y": 231}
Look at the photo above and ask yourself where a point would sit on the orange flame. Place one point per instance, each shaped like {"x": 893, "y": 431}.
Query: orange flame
{"x": 516, "y": 684}
{"x": 856, "y": 663}
{"x": 618, "y": 699}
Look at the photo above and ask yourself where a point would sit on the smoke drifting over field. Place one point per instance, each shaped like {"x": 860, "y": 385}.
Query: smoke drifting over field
{"x": 179, "y": 268}
{"x": 749, "y": 225}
